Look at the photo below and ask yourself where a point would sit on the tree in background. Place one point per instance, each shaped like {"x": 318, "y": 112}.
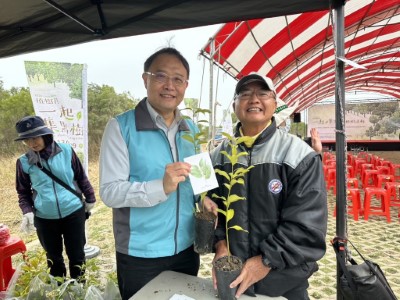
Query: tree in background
{"x": 103, "y": 104}
{"x": 2, "y": 91}
{"x": 14, "y": 104}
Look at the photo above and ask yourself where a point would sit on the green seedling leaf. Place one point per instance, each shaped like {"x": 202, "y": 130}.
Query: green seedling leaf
{"x": 218, "y": 197}
{"x": 222, "y": 173}
{"x": 230, "y": 214}
{"x": 234, "y": 198}
{"x": 237, "y": 227}
{"x": 188, "y": 137}
{"x": 228, "y": 186}
{"x": 221, "y": 211}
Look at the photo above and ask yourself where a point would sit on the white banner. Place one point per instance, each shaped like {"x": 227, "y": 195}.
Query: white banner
{"x": 59, "y": 96}
{"x": 364, "y": 121}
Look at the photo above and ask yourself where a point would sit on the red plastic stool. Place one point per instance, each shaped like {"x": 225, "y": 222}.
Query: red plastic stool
{"x": 325, "y": 168}
{"x": 13, "y": 246}
{"x": 382, "y": 179}
{"x": 364, "y": 167}
{"x": 396, "y": 171}
{"x": 326, "y": 156}
{"x": 383, "y": 162}
{"x": 352, "y": 182}
{"x": 393, "y": 189}
{"x": 369, "y": 178}
{"x": 353, "y": 195}
{"x": 350, "y": 171}
{"x": 357, "y": 166}
{"x": 382, "y": 195}
{"x": 331, "y": 181}
{"x": 384, "y": 170}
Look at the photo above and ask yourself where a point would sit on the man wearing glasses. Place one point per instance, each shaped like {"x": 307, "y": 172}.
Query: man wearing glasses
{"x": 144, "y": 179}
{"x": 285, "y": 212}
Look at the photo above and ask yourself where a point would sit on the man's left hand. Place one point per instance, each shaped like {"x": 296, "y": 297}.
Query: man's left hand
{"x": 253, "y": 271}
{"x": 210, "y": 206}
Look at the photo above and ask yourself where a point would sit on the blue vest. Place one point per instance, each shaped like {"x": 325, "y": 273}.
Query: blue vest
{"x": 167, "y": 228}
{"x": 51, "y": 200}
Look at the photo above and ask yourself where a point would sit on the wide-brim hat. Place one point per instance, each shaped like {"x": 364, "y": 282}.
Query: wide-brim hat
{"x": 283, "y": 111}
{"x": 254, "y": 77}
{"x": 31, "y": 127}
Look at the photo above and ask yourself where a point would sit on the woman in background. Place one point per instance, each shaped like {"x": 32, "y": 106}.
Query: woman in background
{"x": 56, "y": 212}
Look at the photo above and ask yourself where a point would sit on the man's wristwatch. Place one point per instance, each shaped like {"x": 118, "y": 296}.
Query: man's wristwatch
{"x": 267, "y": 263}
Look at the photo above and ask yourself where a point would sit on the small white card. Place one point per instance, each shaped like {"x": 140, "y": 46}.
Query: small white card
{"x": 180, "y": 297}
{"x": 202, "y": 176}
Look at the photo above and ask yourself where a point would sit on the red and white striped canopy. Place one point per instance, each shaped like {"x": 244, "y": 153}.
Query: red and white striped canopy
{"x": 297, "y": 51}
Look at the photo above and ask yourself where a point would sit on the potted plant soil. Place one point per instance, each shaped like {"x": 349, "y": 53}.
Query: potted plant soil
{"x": 204, "y": 229}
{"x": 228, "y": 268}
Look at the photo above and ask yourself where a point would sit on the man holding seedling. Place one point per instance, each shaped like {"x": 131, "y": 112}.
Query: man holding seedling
{"x": 283, "y": 218}
{"x": 144, "y": 179}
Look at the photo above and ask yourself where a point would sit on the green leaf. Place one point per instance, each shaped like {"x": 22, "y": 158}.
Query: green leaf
{"x": 223, "y": 152}
{"x": 229, "y": 215}
{"x": 245, "y": 139}
{"x": 228, "y": 186}
{"x": 188, "y": 137}
{"x": 227, "y": 135}
{"x": 222, "y": 173}
{"x": 217, "y": 196}
{"x": 202, "y": 111}
{"x": 238, "y": 228}
{"x": 221, "y": 211}
{"x": 234, "y": 198}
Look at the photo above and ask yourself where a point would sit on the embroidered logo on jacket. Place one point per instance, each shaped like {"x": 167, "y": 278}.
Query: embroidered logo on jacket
{"x": 275, "y": 186}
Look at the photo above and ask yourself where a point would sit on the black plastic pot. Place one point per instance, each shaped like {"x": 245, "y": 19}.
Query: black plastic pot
{"x": 204, "y": 233}
{"x": 226, "y": 272}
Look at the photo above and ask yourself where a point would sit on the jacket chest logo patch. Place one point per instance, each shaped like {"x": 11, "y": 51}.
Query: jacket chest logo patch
{"x": 275, "y": 186}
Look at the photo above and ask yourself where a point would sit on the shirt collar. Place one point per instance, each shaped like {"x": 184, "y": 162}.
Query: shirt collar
{"x": 249, "y": 143}
{"x": 157, "y": 118}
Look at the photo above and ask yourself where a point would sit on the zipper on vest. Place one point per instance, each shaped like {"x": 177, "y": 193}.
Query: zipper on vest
{"x": 55, "y": 192}
{"x": 177, "y": 190}
{"x": 249, "y": 151}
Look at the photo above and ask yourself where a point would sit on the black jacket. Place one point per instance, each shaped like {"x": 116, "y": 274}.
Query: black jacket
{"x": 285, "y": 211}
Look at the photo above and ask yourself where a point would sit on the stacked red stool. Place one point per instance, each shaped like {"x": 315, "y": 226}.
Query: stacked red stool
{"x": 396, "y": 171}
{"x": 353, "y": 195}
{"x": 12, "y": 246}
{"x": 393, "y": 190}
{"x": 381, "y": 195}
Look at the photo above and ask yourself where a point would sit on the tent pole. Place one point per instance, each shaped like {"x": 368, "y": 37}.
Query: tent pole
{"x": 211, "y": 102}
{"x": 341, "y": 215}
